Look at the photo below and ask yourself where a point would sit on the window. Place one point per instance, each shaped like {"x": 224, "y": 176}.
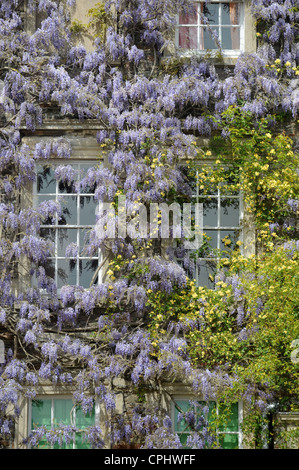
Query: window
{"x": 78, "y": 216}
{"x": 221, "y": 230}
{"x": 52, "y": 412}
{"x": 222, "y": 20}
{"x": 222, "y": 214}
{"x": 223, "y": 420}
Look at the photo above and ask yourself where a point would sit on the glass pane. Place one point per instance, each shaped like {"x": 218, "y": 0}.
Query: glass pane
{"x": 207, "y": 411}
{"x": 83, "y": 421}
{"x": 211, "y": 12}
{"x": 189, "y": 18}
{"x": 62, "y": 415}
{"x": 41, "y": 413}
{"x": 209, "y": 212}
{"x": 230, "y": 38}
{"x": 212, "y": 240}
{"x": 182, "y": 407}
{"x": 206, "y": 272}
{"x": 188, "y": 37}
{"x": 229, "y": 213}
{"x": 87, "y": 270}
{"x": 229, "y": 441}
{"x": 41, "y": 416}
{"x": 62, "y": 411}
{"x": 232, "y": 422}
{"x": 69, "y": 211}
{"x": 84, "y": 240}
{"x": 206, "y": 38}
{"x": 67, "y": 272}
{"x": 84, "y": 235}
{"x": 230, "y": 13}
{"x": 46, "y": 183}
{"x": 88, "y": 207}
{"x": 65, "y": 237}
{"x": 65, "y": 187}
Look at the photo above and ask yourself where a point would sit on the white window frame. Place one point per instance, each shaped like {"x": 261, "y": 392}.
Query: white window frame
{"x": 55, "y": 258}
{"x": 59, "y": 397}
{"x": 226, "y": 52}
{"x": 189, "y": 398}
{"x": 197, "y": 198}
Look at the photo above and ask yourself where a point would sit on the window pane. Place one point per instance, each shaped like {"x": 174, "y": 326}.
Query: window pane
{"x": 69, "y": 211}
{"x": 230, "y": 14}
{"x": 62, "y": 411}
{"x": 206, "y": 410}
{"x": 46, "y": 183}
{"x": 88, "y": 207}
{"x": 66, "y": 187}
{"x": 66, "y": 272}
{"x": 62, "y": 415}
{"x": 212, "y": 240}
{"x": 41, "y": 416}
{"x": 65, "y": 237}
{"x": 232, "y": 422}
{"x": 229, "y": 441}
{"x": 206, "y": 38}
{"x": 41, "y": 413}
{"x": 230, "y": 38}
{"x": 188, "y": 37}
{"x": 84, "y": 235}
{"x": 83, "y": 421}
{"x": 209, "y": 212}
{"x": 211, "y": 12}
{"x": 87, "y": 270}
{"x": 182, "y": 407}
{"x": 229, "y": 213}
{"x": 189, "y": 18}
